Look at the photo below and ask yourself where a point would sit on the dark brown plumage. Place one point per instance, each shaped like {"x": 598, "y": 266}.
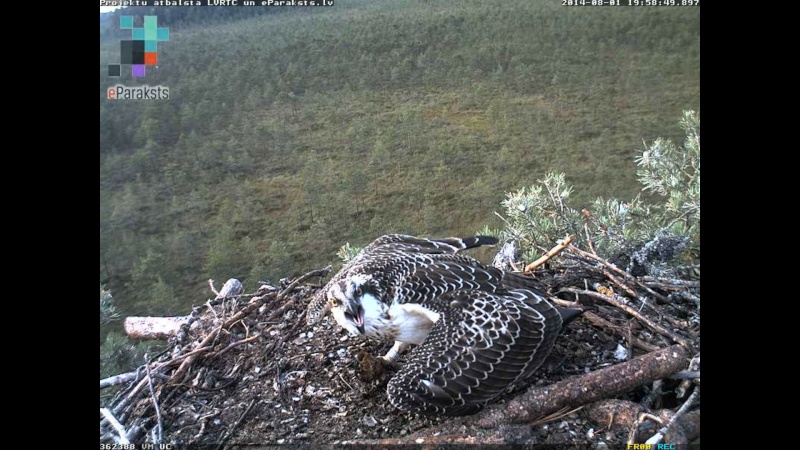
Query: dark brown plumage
{"x": 479, "y": 329}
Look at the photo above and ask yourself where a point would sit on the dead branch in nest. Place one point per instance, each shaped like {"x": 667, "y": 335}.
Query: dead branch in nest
{"x": 596, "y": 320}
{"x": 122, "y": 435}
{"x": 119, "y": 379}
{"x": 645, "y": 416}
{"x": 229, "y": 432}
{"x": 684, "y": 428}
{"x": 235, "y": 344}
{"x": 542, "y": 401}
{"x": 686, "y": 375}
{"x": 670, "y": 283}
{"x": 315, "y": 273}
{"x": 694, "y": 367}
{"x": 257, "y": 301}
{"x": 658, "y": 437}
{"x": 129, "y": 398}
{"x": 584, "y": 389}
{"x": 580, "y": 390}
{"x": 153, "y": 327}
{"x": 553, "y": 252}
{"x": 159, "y": 433}
{"x": 187, "y": 362}
{"x": 254, "y": 304}
{"x": 166, "y": 327}
{"x": 633, "y": 312}
{"x": 631, "y": 293}
{"x": 617, "y": 270}
{"x": 564, "y": 303}
{"x": 131, "y": 401}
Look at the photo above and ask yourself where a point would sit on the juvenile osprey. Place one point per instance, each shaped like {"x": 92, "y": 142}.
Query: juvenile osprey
{"x": 477, "y": 329}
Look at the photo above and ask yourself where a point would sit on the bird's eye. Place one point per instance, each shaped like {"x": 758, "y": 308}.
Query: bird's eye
{"x": 334, "y": 302}
{"x": 359, "y": 292}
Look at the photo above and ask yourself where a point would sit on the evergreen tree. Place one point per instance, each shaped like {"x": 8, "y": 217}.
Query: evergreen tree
{"x": 643, "y": 232}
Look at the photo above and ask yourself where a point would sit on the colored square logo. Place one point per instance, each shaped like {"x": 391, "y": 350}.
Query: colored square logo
{"x": 126, "y": 52}
{"x": 126, "y": 22}
{"x": 150, "y": 27}
{"x": 131, "y": 52}
{"x": 142, "y": 49}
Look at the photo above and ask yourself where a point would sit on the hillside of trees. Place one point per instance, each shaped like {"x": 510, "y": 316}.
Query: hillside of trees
{"x": 288, "y": 134}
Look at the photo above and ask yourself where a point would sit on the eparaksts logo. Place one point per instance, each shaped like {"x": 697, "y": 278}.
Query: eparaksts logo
{"x": 120, "y": 92}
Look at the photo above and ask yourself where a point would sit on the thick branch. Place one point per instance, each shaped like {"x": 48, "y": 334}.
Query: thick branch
{"x": 153, "y": 327}
{"x": 118, "y": 379}
{"x": 539, "y": 402}
{"x": 580, "y": 390}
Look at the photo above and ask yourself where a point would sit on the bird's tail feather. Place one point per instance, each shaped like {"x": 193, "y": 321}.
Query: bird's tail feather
{"x": 516, "y": 280}
{"x": 568, "y": 315}
{"x": 469, "y": 242}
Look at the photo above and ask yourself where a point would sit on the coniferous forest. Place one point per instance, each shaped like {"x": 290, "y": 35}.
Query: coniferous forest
{"x": 287, "y": 134}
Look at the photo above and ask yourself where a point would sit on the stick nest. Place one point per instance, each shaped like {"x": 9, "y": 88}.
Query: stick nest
{"x": 248, "y": 370}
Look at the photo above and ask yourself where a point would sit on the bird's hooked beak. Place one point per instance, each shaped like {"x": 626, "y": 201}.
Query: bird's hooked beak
{"x": 355, "y": 312}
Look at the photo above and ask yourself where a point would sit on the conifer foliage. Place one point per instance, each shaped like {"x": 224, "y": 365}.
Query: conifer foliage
{"x": 659, "y": 225}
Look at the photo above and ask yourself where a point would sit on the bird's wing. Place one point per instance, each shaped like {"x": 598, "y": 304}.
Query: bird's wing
{"x": 406, "y": 243}
{"x": 482, "y": 343}
{"x": 392, "y": 256}
{"x": 440, "y": 274}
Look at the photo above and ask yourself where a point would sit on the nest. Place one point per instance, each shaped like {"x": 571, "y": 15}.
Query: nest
{"x": 246, "y": 369}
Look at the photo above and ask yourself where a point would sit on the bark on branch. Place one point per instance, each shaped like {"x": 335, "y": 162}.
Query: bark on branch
{"x": 569, "y": 393}
{"x": 584, "y": 389}
{"x": 153, "y": 327}
{"x": 118, "y": 379}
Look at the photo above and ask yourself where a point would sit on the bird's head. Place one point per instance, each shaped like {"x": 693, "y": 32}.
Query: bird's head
{"x": 352, "y": 302}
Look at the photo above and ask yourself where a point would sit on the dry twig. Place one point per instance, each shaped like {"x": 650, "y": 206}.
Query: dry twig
{"x": 596, "y": 320}
{"x": 650, "y": 324}
{"x": 638, "y": 422}
{"x": 553, "y": 252}
{"x": 238, "y": 421}
{"x": 616, "y": 270}
{"x": 123, "y": 435}
{"x": 655, "y": 439}
{"x": 160, "y": 425}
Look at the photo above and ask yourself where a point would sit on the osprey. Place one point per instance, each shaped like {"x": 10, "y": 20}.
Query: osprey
{"x": 477, "y": 329}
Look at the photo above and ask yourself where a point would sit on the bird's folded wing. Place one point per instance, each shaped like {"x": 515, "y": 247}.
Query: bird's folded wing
{"x": 482, "y": 344}
{"x": 422, "y": 245}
